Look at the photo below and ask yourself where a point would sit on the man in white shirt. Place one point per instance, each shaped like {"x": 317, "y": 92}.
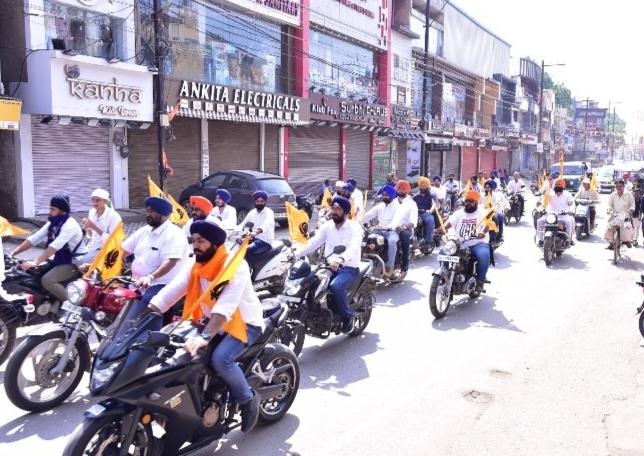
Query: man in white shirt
{"x": 224, "y": 214}
{"x": 340, "y": 231}
{"x": 200, "y": 208}
{"x": 357, "y": 197}
{"x": 452, "y": 188}
{"x": 559, "y": 201}
{"x": 516, "y": 185}
{"x": 263, "y": 231}
{"x": 404, "y": 222}
{"x": 64, "y": 241}
{"x": 160, "y": 250}
{"x": 385, "y": 212}
{"x": 438, "y": 192}
{"x": 621, "y": 202}
{"x": 586, "y": 193}
{"x": 468, "y": 225}
{"x": 101, "y": 221}
{"x": 493, "y": 199}
{"x": 211, "y": 255}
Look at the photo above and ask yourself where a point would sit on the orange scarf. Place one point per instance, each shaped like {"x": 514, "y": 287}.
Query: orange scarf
{"x": 236, "y": 326}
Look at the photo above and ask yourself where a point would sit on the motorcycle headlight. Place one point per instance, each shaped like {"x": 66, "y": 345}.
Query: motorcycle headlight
{"x": 551, "y": 219}
{"x": 100, "y": 377}
{"x": 380, "y": 239}
{"x": 293, "y": 287}
{"x": 450, "y": 248}
{"x": 76, "y": 292}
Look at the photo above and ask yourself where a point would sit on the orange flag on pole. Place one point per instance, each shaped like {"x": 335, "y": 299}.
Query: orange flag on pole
{"x": 179, "y": 215}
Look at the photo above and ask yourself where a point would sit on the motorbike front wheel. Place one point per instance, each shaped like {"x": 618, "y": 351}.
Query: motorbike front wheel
{"x": 439, "y": 298}
{"x": 283, "y": 362}
{"x": 28, "y": 380}
{"x": 292, "y": 336}
{"x": 642, "y": 324}
{"x": 7, "y": 334}
{"x": 617, "y": 244}
{"x": 103, "y": 436}
{"x": 548, "y": 250}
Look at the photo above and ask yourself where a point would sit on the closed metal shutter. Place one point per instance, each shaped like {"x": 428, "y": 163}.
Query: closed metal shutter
{"x": 272, "y": 149}
{"x": 357, "y": 149}
{"x": 503, "y": 159}
{"x": 69, "y": 159}
{"x": 401, "y": 149}
{"x": 515, "y": 159}
{"x": 452, "y": 162}
{"x": 183, "y": 157}
{"x": 487, "y": 160}
{"x": 233, "y": 145}
{"x": 435, "y": 159}
{"x": 469, "y": 162}
{"x": 313, "y": 156}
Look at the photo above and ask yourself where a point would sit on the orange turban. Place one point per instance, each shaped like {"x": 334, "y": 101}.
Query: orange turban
{"x": 423, "y": 181}
{"x": 471, "y": 194}
{"x": 560, "y": 183}
{"x": 404, "y": 186}
{"x": 202, "y": 203}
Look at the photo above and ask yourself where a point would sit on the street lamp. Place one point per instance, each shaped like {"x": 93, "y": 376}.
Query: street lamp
{"x": 543, "y": 66}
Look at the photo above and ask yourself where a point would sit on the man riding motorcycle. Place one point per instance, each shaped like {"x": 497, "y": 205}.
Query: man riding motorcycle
{"x": 223, "y": 213}
{"x": 339, "y": 231}
{"x": 263, "y": 231}
{"x": 404, "y": 222}
{"x": 585, "y": 193}
{"x": 517, "y": 186}
{"x": 385, "y": 211}
{"x": 426, "y": 208}
{"x": 560, "y": 202}
{"x": 357, "y": 197}
{"x": 452, "y": 188}
{"x": 620, "y": 202}
{"x": 470, "y": 229}
{"x": 494, "y": 199}
{"x": 237, "y": 312}
{"x": 200, "y": 207}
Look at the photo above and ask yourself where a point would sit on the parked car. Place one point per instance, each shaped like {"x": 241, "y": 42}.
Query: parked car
{"x": 605, "y": 178}
{"x": 573, "y": 172}
{"x": 242, "y": 184}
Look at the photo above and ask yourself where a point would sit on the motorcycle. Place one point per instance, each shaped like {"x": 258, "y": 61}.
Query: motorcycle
{"x": 555, "y": 238}
{"x": 455, "y": 275}
{"x": 640, "y": 309}
{"x": 306, "y": 203}
{"x": 582, "y": 219}
{"x": 419, "y": 241}
{"x": 48, "y": 365}
{"x": 162, "y": 401}
{"x": 375, "y": 249}
{"x": 310, "y": 301}
{"x": 618, "y": 222}
{"x": 515, "y": 208}
{"x": 28, "y": 303}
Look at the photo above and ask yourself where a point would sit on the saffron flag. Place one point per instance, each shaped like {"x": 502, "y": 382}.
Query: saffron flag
{"x": 561, "y": 166}
{"x": 546, "y": 198}
{"x": 235, "y": 326}
{"x": 298, "y": 224}
{"x": 109, "y": 260}
{"x": 326, "y": 199}
{"x": 8, "y": 229}
{"x": 468, "y": 186}
{"x": 593, "y": 183}
{"x": 179, "y": 215}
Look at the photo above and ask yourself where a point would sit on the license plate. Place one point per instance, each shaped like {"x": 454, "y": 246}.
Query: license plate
{"x": 448, "y": 259}
{"x": 95, "y": 410}
{"x": 280, "y": 215}
{"x": 285, "y": 298}
{"x": 69, "y": 307}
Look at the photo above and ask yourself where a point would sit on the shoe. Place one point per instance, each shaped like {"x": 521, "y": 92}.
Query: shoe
{"x": 402, "y": 275}
{"x": 572, "y": 242}
{"x": 628, "y": 244}
{"x": 480, "y": 286}
{"x": 610, "y": 247}
{"x": 388, "y": 272}
{"x": 540, "y": 243}
{"x": 347, "y": 325}
{"x": 250, "y": 412}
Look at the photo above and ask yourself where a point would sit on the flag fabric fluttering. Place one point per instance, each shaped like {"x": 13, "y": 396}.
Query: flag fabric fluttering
{"x": 109, "y": 260}
{"x": 326, "y": 199}
{"x": 179, "y": 215}
{"x": 298, "y": 224}
{"x": 9, "y": 229}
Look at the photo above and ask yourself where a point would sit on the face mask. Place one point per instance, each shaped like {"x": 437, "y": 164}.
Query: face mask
{"x": 260, "y": 207}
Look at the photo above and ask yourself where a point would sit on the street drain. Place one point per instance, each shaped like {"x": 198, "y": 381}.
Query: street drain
{"x": 500, "y": 373}
{"x": 478, "y": 397}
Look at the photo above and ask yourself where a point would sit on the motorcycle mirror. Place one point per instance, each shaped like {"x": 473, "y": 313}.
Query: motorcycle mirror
{"x": 286, "y": 241}
{"x": 338, "y": 249}
{"x": 157, "y": 339}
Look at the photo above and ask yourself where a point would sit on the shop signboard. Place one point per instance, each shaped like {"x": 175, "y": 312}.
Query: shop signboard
{"x": 403, "y": 118}
{"x": 287, "y": 11}
{"x": 9, "y": 113}
{"x": 439, "y": 147}
{"x": 412, "y": 170}
{"x": 347, "y": 111}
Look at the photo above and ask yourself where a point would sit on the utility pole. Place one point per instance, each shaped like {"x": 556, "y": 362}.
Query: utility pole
{"x": 585, "y": 123}
{"x": 162, "y": 114}
{"x": 423, "y": 159}
{"x": 612, "y": 143}
{"x": 543, "y": 65}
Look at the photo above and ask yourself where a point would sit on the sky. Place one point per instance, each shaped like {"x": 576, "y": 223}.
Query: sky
{"x": 600, "y": 43}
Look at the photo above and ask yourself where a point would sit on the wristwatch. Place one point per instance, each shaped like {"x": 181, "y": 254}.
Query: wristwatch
{"x": 206, "y": 335}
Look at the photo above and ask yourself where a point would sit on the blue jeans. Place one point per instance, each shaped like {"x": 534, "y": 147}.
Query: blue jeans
{"x": 341, "y": 282}
{"x": 256, "y": 248}
{"x": 405, "y": 243}
{"x": 429, "y": 224}
{"x": 499, "y": 219}
{"x": 482, "y": 253}
{"x": 223, "y": 360}
{"x": 392, "y": 243}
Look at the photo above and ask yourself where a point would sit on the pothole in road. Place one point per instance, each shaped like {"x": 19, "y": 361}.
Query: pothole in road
{"x": 478, "y": 397}
{"x": 497, "y": 373}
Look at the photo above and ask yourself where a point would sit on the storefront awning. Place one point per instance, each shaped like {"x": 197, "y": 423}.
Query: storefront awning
{"x": 212, "y": 115}
{"x": 438, "y": 140}
{"x": 463, "y": 142}
{"x": 405, "y": 134}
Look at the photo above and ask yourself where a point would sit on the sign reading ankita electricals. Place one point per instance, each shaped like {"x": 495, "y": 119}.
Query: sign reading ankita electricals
{"x": 238, "y": 101}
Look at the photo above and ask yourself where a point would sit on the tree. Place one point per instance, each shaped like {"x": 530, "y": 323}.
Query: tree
{"x": 563, "y": 96}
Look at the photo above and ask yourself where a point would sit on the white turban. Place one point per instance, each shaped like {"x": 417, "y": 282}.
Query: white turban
{"x": 102, "y": 194}
{"x": 339, "y": 184}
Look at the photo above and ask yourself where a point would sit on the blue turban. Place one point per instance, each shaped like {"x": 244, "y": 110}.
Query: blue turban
{"x": 209, "y": 230}
{"x": 491, "y": 183}
{"x": 260, "y": 194}
{"x": 224, "y": 195}
{"x": 159, "y": 205}
{"x": 389, "y": 190}
{"x": 437, "y": 177}
{"x": 353, "y": 182}
{"x": 494, "y": 174}
{"x": 61, "y": 202}
{"x": 344, "y": 203}
{"x": 554, "y": 175}
{"x": 348, "y": 188}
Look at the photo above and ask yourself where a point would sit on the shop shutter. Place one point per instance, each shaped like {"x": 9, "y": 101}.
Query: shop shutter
{"x": 233, "y": 145}
{"x": 401, "y": 149}
{"x": 487, "y": 160}
{"x": 452, "y": 162}
{"x": 313, "y": 156}
{"x": 271, "y": 149}
{"x": 469, "y": 162}
{"x": 515, "y": 160}
{"x": 503, "y": 159}
{"x": 183, "y": 154}
{"x": 435, "y": 159}
{"x": 357, "y": 150}
{"x": 70, "y": 159}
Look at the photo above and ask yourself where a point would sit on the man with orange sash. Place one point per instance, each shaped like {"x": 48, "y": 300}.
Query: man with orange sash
{"x": 237, "y": 312}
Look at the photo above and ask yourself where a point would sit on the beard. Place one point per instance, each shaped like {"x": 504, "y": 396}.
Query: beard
{"x": 386, "y": 201}
{"x": 470, "y": 209}
{"x": 337, "y": 219}
{"x": 153, "y": 222}
{"x": 204, "y": 257}
{"x": 260, "y": 207}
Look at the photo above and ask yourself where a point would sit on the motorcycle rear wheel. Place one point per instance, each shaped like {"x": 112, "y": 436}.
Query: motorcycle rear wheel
{"x": 617, "y": 244}
{"x": 578, "y": 232}
{"x": 274, "y": 357}
{"x": 41, "y": 353}
{"x": 7, "y": 335}
{"x": 548, "y": 250}
{"x": 103, "y": 435}
{"x": 434, "y": 294}
{"x": 642, "y": 324}
{"x": 361, "y": 322}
